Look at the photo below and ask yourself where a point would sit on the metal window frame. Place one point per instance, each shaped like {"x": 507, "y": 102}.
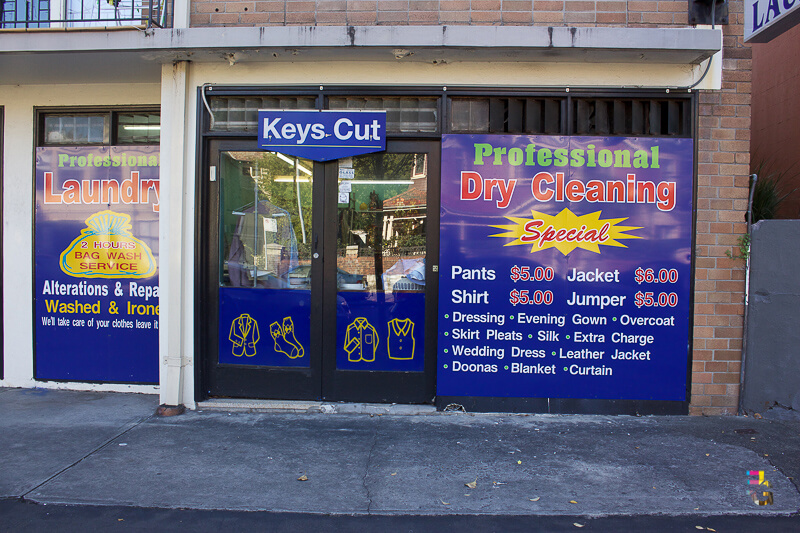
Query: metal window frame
{"x": 447, "y": 94}
{"x": 111, "y": 112}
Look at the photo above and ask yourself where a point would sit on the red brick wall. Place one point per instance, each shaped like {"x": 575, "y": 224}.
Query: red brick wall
{"x": 723, "y": 174}
{"x": 724, "y": 138}
{"x": 776, "y": 109}
{"x": 416, "y": 12}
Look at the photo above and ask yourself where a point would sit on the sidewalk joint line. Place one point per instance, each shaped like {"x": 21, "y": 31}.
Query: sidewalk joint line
{"x": 131, "y": 425}
{"x": 366, "y": 470}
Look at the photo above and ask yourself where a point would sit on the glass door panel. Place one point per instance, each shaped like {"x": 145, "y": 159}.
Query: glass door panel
{"x": 381, "y": 245}
{"x": 265, "y": 207}
{"x": 336, "y": 311}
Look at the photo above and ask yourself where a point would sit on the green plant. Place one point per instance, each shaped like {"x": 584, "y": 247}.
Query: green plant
{"x": 744, "y": 248}
{"x": 770, "y": 190}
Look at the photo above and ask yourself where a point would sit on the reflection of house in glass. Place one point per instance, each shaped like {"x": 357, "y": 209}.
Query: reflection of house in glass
{"x": 404, "y": 214}
{"x": 382, "y": 230}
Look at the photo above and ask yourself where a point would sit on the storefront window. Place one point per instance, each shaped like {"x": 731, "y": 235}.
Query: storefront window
{"x": 241, "y": 113}
{"x": 507, "y": 115}
{"x": 403, "y": 114}
{"x": 470, "y": 115}
{"x": 265, "y": 220}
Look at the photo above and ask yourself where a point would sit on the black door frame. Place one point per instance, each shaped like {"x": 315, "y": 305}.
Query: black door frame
{"x": 247, "y": 381}
{"x": 375, "y": 386}
{"x": 321, "y": 380}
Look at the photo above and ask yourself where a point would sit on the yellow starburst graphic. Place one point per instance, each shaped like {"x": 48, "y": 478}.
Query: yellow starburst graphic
{"x": 566, "y": 231}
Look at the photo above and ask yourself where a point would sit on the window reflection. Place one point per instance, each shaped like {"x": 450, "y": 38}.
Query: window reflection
{"x": 265, "y": 205}
{"x": 382, "y": 228}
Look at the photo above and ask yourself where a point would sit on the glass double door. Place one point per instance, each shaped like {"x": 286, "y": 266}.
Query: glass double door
{"x": 317, "y": 283}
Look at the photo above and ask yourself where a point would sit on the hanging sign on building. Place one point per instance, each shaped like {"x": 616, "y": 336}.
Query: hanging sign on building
{"x": 565, "y": 267}
{"x": 322, "y": 135}
{"x": 97, "y": 264}
{"x": 766, "y": 19}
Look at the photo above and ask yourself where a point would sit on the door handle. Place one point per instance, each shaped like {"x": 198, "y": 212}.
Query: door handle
{"x": 316, "y": 245}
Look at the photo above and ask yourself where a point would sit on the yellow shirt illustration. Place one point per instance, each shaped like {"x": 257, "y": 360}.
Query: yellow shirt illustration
{"x": 361, "y": 341}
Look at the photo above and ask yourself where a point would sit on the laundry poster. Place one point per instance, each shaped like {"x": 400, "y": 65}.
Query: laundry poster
{"x": 264, "y": 327}
{"x": 96, "y": 258}
{"x": 380, "y": 331}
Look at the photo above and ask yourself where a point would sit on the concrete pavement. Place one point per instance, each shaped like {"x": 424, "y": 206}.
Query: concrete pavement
{"x": 63, "y": 447}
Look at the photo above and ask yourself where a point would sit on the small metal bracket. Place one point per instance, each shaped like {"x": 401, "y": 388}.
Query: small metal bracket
{"x": 703, "y": 11}
{"x": 212, "y": 174}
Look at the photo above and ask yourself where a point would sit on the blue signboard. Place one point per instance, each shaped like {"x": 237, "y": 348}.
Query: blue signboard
{"x": 266, "y": 327}
{"x": 322, "y": 135}
{"x": 97, "y": 264}
{"x": 380, "y": 331}
{"x": 565, "y": 267}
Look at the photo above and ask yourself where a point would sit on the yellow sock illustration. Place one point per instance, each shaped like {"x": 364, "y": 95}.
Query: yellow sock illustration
{"x": 400, "y": 342}
{"x": 361, "y": 341}
{"x": 281, "y": 346}
{"x": 288, "y": 336}
{"x": 244, "y": 335}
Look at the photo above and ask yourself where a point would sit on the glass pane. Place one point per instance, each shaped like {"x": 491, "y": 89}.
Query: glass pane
{"x": 76, "y": 129}
{"x": 265, "y": 258}
{"x": 381, "y": 248}
{"x": 265, "y": 211}
{"x": 241, "y": 114}
{"x": 138, "y": 128}
{"x": 469, "y": 115}
{"x": 403, "y": 114}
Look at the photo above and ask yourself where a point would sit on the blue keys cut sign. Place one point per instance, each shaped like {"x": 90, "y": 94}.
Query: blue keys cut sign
{"x": 322, "y": 135}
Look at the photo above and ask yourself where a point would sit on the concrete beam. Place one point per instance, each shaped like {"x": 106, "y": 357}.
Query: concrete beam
{"x": 131, "y": 56}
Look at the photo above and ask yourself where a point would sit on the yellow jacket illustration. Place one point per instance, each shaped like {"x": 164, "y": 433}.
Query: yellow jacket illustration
{"x": 244, "y": 335}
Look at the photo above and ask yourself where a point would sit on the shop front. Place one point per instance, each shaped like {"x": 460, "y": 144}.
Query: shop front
{"x": 543, "y": 224}
{"x": 497, "y": 250}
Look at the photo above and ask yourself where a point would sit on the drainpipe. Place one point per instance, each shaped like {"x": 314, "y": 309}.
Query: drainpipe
{"x": 753, "y": 180}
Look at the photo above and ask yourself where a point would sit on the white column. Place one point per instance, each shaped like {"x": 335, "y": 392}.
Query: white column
{"x": 18, "y": 239}
{"x": 171, "y": 342}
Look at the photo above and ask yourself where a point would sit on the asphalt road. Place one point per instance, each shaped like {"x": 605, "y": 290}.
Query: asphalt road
{"x": 17, "y": 516}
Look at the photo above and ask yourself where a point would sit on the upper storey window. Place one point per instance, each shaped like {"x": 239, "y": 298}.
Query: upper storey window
{"x": 84, "y": 13}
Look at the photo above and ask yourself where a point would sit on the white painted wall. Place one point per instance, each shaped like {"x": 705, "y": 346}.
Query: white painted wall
{"x": 18, "y": 203}
{"x": 511, "y": 74}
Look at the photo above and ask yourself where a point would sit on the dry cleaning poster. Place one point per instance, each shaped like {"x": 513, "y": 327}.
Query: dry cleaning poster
{"x": 97, "y": 263}
{"x": 565, "y": 267}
